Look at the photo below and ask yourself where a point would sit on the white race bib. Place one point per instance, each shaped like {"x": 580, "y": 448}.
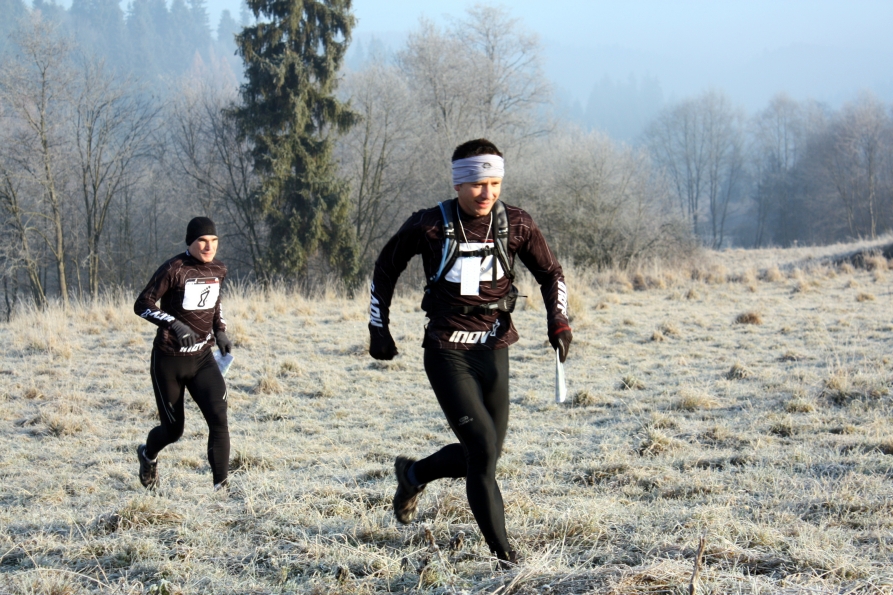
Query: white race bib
{"x": 484, "y": 267}
{"x": 201, "y": 294}
{"x": 470, "y": 276}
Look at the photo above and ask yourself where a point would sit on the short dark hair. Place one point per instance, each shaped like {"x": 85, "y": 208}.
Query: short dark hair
{"x": 478, "y": 146}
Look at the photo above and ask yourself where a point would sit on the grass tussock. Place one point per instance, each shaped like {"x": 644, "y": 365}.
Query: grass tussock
{"x": 876, "y": 262}
{"x": 585, "y": 398}
{"x": 790, "y": 356}
{"x": 656, "y": 442}
{"x": 738, "y": 372}
{"x": 632, "y": 382}
{"x": 695, "y": 400}
{"x": 800, "y": 405}
{"x": 749, "y": 318}
{"x": 268, "y": 385}
{"x": 145, "y": 512}
{"x": 773, "y": 275}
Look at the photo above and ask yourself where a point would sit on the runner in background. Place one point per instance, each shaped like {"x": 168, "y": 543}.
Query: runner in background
{"x": 468, "y": 301}
{"x": 190, "y": 323}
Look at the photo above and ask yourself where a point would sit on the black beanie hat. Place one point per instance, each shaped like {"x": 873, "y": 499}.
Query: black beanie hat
{"x": 198, "y": 227}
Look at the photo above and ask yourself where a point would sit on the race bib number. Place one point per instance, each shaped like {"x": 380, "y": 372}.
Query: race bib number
{"x": 201, "y": 294}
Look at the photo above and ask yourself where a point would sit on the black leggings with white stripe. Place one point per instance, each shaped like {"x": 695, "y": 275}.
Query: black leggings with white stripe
{"x": 171, "y": 375}
{"x": 472, "y": 388}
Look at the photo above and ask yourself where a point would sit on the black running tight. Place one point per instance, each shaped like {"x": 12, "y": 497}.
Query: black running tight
{"x": 472, "y": 388}
{"x": 171, "y": 374}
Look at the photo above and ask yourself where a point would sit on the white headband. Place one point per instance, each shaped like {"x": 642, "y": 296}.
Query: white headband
{"x": 477, "y": 168}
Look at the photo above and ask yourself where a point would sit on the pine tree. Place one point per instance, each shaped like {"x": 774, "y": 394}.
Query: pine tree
{"x": 200, "y": 24}
{"x": 148, "y": 31}
{"x": 289, "y": 112}
{"x": 98, "y": 25}
{"x": 227, "y": 29}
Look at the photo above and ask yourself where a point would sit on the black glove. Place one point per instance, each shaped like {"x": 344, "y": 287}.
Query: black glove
{"x": 184, "y": 334}
{"x": 561, "y": 338}
{"x": 223, "y": 342}
{"x": 381, "y": 343}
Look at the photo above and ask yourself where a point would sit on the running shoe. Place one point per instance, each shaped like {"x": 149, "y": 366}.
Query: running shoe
{"x": 148, "y": 469}
{"x": 508, "y": 560}
{"x": 406, "y": 499}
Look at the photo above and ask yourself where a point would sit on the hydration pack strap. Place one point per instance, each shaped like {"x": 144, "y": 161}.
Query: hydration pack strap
{"x": 450, "y": 245}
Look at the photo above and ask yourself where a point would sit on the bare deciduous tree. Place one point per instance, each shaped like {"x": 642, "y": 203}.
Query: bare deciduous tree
{"x": 859, "y": 161}
{"x": 481, "y": 77}
{"x": 778, "y": 136}
{"x": 36, "y": 87}
{"x": 699, "y": 145}
{"x": 377, "y": 154}
{"x": 598, "y": 203}
{"x": 113, "y": 127}
{"x": 211, "y": 158}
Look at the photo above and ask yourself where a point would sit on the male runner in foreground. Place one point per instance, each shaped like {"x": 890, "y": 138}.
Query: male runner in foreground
{"x": 190, "y": 324}
{"x": 469, "y": 330}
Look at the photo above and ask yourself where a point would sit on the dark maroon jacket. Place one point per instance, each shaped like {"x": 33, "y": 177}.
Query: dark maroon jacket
{"x": 422, "y": 234}
{"x": 189, "y": 291}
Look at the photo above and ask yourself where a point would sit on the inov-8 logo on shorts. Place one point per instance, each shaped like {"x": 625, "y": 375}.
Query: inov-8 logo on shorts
{"x": 469, "y": 337}
{"x": 201, "y": 294}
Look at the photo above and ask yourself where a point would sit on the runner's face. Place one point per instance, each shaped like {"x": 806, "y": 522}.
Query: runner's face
{"x": 477, "y": 198}
{"x": 204, "y": 248}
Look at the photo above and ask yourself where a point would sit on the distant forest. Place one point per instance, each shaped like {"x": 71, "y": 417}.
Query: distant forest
{"x": 116, "y": 128}
{"x": 155, "y": 40}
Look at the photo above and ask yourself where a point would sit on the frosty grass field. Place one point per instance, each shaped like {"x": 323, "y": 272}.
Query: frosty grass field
{"x": 746, "y": 402}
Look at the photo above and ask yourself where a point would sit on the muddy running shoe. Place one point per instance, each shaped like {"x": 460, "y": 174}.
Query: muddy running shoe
{"x": 148, "y": 469}
{"x": 406, "y": 499}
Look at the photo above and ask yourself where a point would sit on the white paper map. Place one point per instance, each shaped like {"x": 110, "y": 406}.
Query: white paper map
{"x": 560, "y": 383}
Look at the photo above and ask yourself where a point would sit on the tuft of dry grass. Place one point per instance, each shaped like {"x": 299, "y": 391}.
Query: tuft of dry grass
{"x": 291, "y": 367}
{"x": 694, "y": 400}
{"x": 773, "y": 274}
{"x": 268, "y": 385}
{"x": 790, "y": 356}
{"x": 800, "y": 405}
{"x": 749, "y": 318}
{"x": 738, "y": 372}
{"x": 631, "y": 382}
{"x": 656, "y": 442}
{"x": 876, "y": 262}
{"x": 584, "y": 398}
{"x": 671, "y": 330}
{"x": 865, "y": 297}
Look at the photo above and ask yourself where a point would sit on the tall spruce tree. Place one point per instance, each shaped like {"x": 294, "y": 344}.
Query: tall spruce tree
{"x": 289, "y": 112}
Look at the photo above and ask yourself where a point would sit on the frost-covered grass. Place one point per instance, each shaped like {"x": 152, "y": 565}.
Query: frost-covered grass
{"x": 747, "y": 401}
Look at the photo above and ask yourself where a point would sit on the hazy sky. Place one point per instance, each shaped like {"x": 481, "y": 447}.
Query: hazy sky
{"x": 822, "y": 49}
